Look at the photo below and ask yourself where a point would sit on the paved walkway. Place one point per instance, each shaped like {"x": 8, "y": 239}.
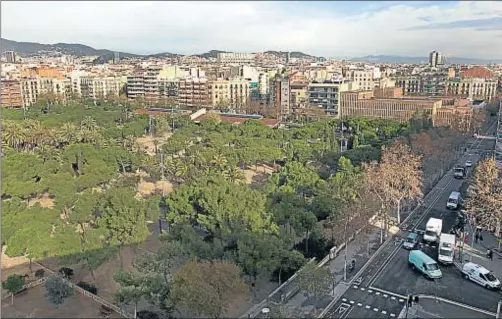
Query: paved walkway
{"x": 477, "y": 254}
{"x": 431, "y": 308}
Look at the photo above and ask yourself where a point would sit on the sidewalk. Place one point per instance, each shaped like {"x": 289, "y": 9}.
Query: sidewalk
{"x": 478, "y": 253}
{"x": 431, "y": 308}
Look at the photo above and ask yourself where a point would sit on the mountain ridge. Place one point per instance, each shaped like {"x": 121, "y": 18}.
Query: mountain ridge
{"x": 77, "y": 49}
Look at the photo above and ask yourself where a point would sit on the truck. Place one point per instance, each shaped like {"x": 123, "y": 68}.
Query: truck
{"x": 433, "y": 230}
{"x": 459, "y": 172}
{"x": 446, "y": 249}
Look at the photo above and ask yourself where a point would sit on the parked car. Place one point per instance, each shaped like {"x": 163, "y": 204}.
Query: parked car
{"x": 468, "y": 164}
{"x": 480, "y": 275}
{"x": 411, "y": 241}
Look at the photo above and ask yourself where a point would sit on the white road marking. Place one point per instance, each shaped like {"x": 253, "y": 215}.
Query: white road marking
{"x": 385, "y": 295}
{"x": 370, "y": 291}
{"x": 377, "y": 293}
{"x": 384, "y": 312}
{"x": 375, "y": 309}
{"x": 368, "y": 307}
{"x": 352, "y": 301}
{"x": 363, "y": 289}
{"x": 355, "y": 287}
{"x": 392, "y": 315}
{"x": 344, "y": 300}
{"x": 401, "y": 300}
{"x": 360, "y": 304}
{"x": 393, "y": 298}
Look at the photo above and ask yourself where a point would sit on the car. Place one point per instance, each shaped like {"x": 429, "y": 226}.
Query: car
{"x": 468, "y": 164}
{"x": 411, "y": 241}
{"x": 480, "y": 275}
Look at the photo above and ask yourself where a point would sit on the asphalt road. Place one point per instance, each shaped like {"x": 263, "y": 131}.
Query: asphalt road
{"x": 379, "y": 290}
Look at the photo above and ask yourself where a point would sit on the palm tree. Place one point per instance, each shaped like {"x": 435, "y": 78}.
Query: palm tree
{"x": 88, "y": 123}
{"x": 235, "y": 175}
{"x": 13, "y": 134}
{"x": 220, "y": 162}
{"x": 68, "y": 133}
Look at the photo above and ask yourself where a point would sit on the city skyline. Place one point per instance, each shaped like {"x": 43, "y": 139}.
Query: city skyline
{"x": 318, "y": 28}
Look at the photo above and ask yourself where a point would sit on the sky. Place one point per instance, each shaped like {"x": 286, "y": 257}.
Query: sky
{"x": 330, "y": 29}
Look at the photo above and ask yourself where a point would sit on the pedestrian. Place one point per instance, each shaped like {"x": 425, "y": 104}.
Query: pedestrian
{"x": 480, "y": 237}
{"x": 476, "y": 238}
{"x": 489, "y": 254}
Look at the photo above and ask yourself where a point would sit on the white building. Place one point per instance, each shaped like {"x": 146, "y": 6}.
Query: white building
{"x": 236, "y": 58}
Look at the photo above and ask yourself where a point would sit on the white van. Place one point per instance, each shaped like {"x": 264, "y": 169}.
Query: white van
{"x": 453, "y": 200}
{"x": 480, "y": 275}
{"x": 433, "y": 230}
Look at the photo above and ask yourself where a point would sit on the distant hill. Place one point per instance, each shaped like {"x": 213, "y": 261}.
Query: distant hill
{"x": 416, "y": 60}
{"x": 293, "y": 54}
{"x": 210, "y": 54}
{"x": 34, "y": 48}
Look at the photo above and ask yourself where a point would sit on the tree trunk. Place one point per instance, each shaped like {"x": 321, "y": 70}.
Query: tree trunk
{"x": 12, "y": 299}
{"x": 31, "y": 265}
{"x": 120, "y": 257}
{"x": 280, "y": 272}
{"x": 307, "y": 242}
{"x": 135, "y": 309}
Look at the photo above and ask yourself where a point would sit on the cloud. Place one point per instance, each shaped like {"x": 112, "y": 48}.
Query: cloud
{"x": 478, "y": 24}
{"x": 319, "y": 28}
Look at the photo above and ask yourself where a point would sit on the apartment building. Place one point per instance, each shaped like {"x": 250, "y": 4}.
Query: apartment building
{"x": 60, "y": 87}
{"x": 436, "y": 59}
{"x": 364, "y": 103}
{"x": 230, "y": 92}
{"x": 474, "y": 83}
{"x": 429, "y": 84}
{"x": 326, "y": 95}
{"x": 194, "y": 92}
{"x": 168, "y": 89}
{"x": 280, "y": 95}
{"x": 10, "y": 56}
{"x": 95, "y": 88}
{"x": 10, "y": 95}
{"x": 29, "y": 91}
{"x": 135, "y": 86}
{"x": 151, "y": 85}
{"x": 298, "y": 86}
{"x": 364, "y": 78}
{"x": 44, "y": 72}
{"x": 235, "y": 58}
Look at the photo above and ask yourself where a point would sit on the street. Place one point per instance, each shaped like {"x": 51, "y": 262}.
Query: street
{"x": 379, "y": 291}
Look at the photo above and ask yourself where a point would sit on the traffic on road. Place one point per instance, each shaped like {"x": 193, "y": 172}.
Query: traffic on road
{"x": 424, "y": 259}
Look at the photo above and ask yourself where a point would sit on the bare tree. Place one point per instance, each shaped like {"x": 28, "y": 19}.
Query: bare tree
{"x": 397, "y": 177}
{"x": 484, "y": 196}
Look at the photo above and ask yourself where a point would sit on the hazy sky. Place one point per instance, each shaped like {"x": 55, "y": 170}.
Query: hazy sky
{"x": 347, "y": 28}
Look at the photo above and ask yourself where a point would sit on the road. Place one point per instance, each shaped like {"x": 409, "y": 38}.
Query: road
{"x": 379, "y": 291}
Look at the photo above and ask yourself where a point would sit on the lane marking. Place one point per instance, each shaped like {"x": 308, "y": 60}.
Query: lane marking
{"x": 370, "y": 291}
{"x": 401, "y": 300}
{"x": 360, "y": 304}
{"x": 393, "y": 298}
{"x": 385, "y": 295}
{"x": 344, "y": 300}
{"x": 355, "y": 287}
{"x": 389, "y": 293}
{"x": 351, "y": 302}
{"x": 362, "y": 289}
{"x": 368, "y": 307}
{"x": 377, "y": 293}
{"x": 392, "y": 315}
{"x": 375, "y": 309}
{"x": 384, "y": 312}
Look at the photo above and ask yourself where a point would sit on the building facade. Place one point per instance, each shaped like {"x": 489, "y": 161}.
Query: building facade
{"x": 11, "y": 96}
{"x": 435, "y": 59}
{"x": 194, "y": 93}
{"x": 326, "y": 95}
{"x": 235, "y": 58}
{"x": 364, "y": 104}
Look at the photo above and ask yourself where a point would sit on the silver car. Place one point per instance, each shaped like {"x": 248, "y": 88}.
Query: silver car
{"x": 468, "y": 164}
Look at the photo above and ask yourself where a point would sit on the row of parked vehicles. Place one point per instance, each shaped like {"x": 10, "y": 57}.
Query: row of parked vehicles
{"x": 446, "y": 243}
